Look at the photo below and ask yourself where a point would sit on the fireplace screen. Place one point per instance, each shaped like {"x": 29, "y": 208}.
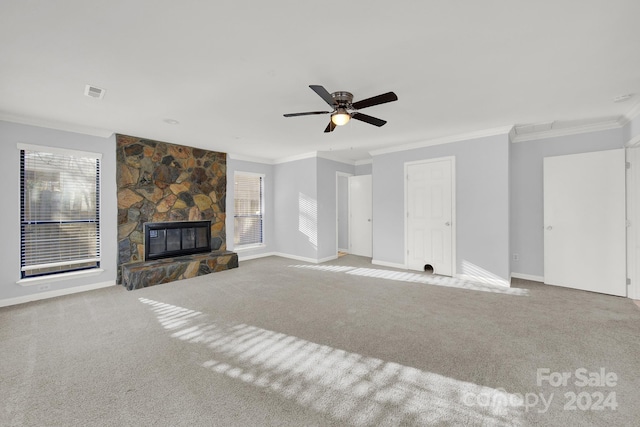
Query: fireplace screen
{"x": 171, "y": 239}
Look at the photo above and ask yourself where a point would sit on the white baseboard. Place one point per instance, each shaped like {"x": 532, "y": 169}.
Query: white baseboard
{"x": 289, "y": 256}
{"x": 57, "y": 293}
{"x": 327, "y": 259}
{"x": 527, "y": 277}
{"x": 298, "y": 258}
{"x": 254, "y": 256}
{"x": 388, "y": 264}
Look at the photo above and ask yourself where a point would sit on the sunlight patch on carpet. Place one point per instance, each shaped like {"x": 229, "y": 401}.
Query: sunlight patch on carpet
{"x": 427, "y": 279}
{"x": 347, "y": 386}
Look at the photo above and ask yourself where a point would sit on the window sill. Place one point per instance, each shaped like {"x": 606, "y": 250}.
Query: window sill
{"x": 249, "y": 247}
{"x": 58, "y": 277}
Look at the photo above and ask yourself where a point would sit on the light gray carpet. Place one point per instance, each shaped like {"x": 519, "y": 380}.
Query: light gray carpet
{"x": 279, "y": 342}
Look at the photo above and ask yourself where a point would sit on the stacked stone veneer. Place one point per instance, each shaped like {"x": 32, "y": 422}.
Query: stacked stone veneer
{"x": 157, "y": 182}
{"x": 142, "y": 274}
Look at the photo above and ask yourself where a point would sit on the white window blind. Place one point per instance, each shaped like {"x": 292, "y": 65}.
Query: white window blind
{"x": 248, "y": 204}
{"x": 60, "y": 212}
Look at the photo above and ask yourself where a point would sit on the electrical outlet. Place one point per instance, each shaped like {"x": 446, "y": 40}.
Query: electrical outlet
{"x": 516, "y": 257}
{"x": 44, "y": 287}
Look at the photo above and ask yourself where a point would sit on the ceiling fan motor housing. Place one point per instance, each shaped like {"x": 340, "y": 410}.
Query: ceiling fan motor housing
{"x": 342, "y": 99}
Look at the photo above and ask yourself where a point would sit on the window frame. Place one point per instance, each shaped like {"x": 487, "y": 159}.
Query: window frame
{"x": 262, "y": 210}
{"x": 69, "y": 271}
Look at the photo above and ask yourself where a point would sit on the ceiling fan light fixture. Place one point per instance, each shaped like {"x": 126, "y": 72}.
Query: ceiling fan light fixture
{"x": 343, "y": 109}
{"x": 340, "y": 117}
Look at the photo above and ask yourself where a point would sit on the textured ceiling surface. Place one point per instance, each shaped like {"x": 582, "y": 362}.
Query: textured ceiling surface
{"x": 227, "y": 71}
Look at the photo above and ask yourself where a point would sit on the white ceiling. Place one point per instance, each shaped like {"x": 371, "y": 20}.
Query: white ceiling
{"x": 228, "y": 70}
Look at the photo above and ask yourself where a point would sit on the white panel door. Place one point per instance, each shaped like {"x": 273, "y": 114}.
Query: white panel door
{"x": 430, "y": 216}
{"x": 585, "y": 222}
{"x": 360, "y": 226}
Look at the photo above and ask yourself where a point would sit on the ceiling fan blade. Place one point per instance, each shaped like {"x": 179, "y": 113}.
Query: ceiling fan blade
{"x": 330, "y": 127}
{"x": 306, "y": 114}
{"x": 368, "y": 119}
{"x": 375, "y": 100}
{"x": 324, "y": 94}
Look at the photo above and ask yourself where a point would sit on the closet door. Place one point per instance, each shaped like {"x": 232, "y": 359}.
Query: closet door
{"x": 360, "y": 209}
{"x": 585, "y": 222}
{"x": 430, "y": 194}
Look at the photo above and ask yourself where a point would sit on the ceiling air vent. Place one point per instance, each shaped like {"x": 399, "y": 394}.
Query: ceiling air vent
{"x": 94, "y": 92}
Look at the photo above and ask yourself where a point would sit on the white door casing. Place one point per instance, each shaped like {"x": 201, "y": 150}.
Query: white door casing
{"x": 633, "y": 217}
{"x": 342, "y": 211}
{"x": 585, "y": 221}
{"x": 360, "y": 218}
{"x": 430, "y": 212}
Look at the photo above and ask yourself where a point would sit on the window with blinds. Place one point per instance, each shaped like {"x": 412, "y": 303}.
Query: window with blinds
{"x": 59, "y": 211}
{"x": 248, "y": 204}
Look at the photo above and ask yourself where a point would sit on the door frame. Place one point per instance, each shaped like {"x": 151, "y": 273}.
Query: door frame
{"x": 632, "y": 158}
{"x": 371, "y": 213}
{"x": 344, "y": 175}
{"x": 454, "y": 223}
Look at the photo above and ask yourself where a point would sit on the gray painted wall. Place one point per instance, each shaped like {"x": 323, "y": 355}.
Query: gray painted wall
{"x": 305, "y": 206}
{"x": 527, "y": 236}
{"x": 482, "y": 204}
{"x": 497, "y": 184}
{"x": 234, "y": 165}
{"x": 10, "y": 135}
{"x": 327, "y": 230}
{"x": 364, "y": 169}
{"x": 296, "y": 208}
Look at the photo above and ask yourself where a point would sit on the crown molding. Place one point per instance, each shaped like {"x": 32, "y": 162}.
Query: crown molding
{"x": 633, "y": 142}
{"x": 295, "y": 157}
{"x": 363, "y": 162}
{"x": 244, "y": 158}
{"x": 567, "y": 130}
{"x": 51, "y": 124}
{"x": 633, "y": 113}
{"x": 444, "y": 140}
{"x": 315, "y": 154}
{"x": 328, "y": 155}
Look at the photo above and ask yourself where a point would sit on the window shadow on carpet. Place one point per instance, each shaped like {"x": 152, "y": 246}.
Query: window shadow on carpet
{"x": 346, "y": 386}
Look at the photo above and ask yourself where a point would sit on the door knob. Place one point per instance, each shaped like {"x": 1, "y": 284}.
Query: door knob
{"x": 369, "y": 220}
{"x": 549, "y": 228}
{"x": 447, "y": 223}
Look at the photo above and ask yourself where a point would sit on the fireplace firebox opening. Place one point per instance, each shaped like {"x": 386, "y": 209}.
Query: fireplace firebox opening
{"x": 176, "y": 238}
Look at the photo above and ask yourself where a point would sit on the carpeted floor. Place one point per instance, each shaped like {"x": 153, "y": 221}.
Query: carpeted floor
{"x": 279, "y": 342}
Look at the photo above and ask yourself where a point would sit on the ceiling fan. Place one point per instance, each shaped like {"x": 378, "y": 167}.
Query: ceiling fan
{"x": 344, "y": 109}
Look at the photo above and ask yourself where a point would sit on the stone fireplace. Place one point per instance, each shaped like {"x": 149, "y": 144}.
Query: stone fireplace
{"x": 159, "y": 182}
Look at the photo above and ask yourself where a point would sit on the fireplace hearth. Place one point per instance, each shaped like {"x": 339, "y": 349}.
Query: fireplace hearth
{"x": 176, "y": 238}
